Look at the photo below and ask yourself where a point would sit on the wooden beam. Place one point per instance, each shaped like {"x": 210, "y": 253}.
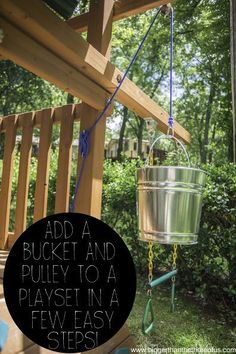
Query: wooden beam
{"x": 79, "y": 23}
{"x": 74, "y": 50}
{"x": 122, "y": 9}
{"x": 27, "y": 53}
{"x": 126, "y": 8}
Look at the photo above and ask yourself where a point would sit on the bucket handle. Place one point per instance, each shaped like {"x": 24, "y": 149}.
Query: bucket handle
{"x": 163, "y": 136}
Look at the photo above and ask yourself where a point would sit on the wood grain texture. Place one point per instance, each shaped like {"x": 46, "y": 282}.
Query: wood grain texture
{"x": 122, "y": 9}
{"x": 66, "y": 116}
{"x": 76, "y": 53}
{"x": 7, "y": 172}
{"x": 24, "y": 170}
{"x": 89, "y": 196}
{"x": 31, "y": 55}
{"x": 42, "y": 180}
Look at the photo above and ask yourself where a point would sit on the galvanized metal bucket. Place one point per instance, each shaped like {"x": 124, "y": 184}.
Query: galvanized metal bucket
{"x": 169, "y": 202}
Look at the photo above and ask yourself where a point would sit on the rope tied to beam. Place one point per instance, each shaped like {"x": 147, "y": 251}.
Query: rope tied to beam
{"x": 85, "y": 135}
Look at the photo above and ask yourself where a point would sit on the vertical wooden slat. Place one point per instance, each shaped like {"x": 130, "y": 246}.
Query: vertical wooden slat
{"x": 1, "y": 127}
{"x": 24, "y": 167}
{"x": 88, "y": 200}
{"x": 5, "y": 194}
{"x": 64, "y": 159}
{"x": 41, "y": 188}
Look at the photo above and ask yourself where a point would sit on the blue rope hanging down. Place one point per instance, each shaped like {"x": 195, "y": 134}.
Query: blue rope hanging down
{"x": 171, "y": 119}
{"x": 85, "y": 135}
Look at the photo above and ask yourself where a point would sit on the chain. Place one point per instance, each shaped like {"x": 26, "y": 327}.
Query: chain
{"x": 150, "y": 261}
{"x": 150, "y": 246}
{"x": 151, "y": 159}
{"x": 174, "y": 256}
{"x": 150, "y": 266}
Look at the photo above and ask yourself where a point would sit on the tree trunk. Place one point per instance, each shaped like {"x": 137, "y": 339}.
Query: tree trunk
{"x": 212, "y": 138}
{"x": 233, "y": 69}
{"x": 122, "y": 133}
{"x": 204, "y": 152}
{"x": 230, "y": 146}
{"x": 140, "y": 136}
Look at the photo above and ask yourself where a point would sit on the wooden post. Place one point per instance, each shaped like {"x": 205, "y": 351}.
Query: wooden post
{"x": 41, "y": 188}
{"x": 233, "y": 70}
{"x": 89, "y": 195}
{"x": 66, "y": 115}
{"x": 7, "y": 172}
{"x": 24, "y": 170}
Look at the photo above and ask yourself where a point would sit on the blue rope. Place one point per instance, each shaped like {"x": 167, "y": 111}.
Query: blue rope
{"x": 171, "y": 119}
{"x": 85, "y": 135}
{"x": 84, "y": 143}
{"x": 126, "y": 71}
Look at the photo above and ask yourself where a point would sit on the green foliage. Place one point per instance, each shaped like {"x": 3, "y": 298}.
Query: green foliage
{"x": 202, "y": 84}
{"x": 149, "y": 70}
{"x": 22, "y": 91}
{"x": 209, "y": 268}
{"x": 202, "y": 64}
{"x": 32, "y": 182}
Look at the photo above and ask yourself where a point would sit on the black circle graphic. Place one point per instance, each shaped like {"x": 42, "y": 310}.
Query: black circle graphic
{"x": 69, "y": 282}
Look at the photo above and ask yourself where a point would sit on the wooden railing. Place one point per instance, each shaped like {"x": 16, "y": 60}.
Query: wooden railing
{"x": 25, "y": 124}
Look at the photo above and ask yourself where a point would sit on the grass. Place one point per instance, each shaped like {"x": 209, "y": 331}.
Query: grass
{"x": 189, "y": 326}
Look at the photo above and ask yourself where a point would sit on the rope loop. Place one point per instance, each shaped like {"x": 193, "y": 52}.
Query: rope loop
{"x": 170, "y": 122}
{"x": 84, "y": 143}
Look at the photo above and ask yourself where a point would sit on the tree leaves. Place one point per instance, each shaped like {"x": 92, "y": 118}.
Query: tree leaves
{"x": 22, "y": 91}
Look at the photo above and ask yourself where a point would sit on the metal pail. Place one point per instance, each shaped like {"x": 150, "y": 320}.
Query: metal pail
{"x": 169, "y": 203}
